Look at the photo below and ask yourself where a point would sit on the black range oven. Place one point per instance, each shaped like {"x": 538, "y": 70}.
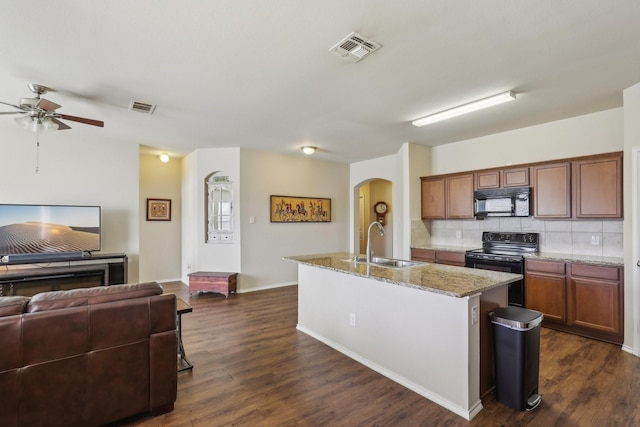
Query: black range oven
{"x": 504, "y": 252}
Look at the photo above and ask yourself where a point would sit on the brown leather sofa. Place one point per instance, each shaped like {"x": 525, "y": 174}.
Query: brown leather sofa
{"x": 87, "y": 357}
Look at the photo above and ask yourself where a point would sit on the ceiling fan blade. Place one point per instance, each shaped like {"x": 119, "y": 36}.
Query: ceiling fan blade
{"x": 82, "y": 120}
{"x": 11, "y": 112}
{"x": 11, "y": 105}
{"x": 47, "y": 105}
{"x": 61, "y": 126}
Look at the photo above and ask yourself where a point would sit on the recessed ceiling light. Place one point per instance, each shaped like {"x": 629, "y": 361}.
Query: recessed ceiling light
{"x": 308, "y": 150}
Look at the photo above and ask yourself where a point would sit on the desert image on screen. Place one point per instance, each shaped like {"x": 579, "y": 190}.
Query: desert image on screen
{"x": 28, "y": 237}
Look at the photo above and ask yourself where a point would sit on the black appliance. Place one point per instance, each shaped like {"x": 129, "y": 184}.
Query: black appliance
{"x": 502, "y": 202}
{"x": 504, "y": 252}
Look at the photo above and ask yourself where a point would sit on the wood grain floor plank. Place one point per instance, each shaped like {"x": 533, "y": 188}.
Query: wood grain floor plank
{"x": 253, "y": 368}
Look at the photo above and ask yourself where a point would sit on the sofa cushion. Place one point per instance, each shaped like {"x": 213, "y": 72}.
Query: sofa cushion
{"x": 88, "y": 296}
{"x": 10, "y": 306}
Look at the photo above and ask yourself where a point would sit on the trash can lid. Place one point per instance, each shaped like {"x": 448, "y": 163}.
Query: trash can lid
{"x": 518, "y": 318}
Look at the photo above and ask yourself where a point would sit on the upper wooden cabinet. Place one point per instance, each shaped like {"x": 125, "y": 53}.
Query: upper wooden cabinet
{"x": 433, "y": 199}
{"x": 459, "y": 191}
{"x": 448, "y": 196}
{"x": 586, "y": 187}
{"x": 597, "y": 187}
{"x": 502, "y": 178}
{"x": 515, "y": 177}
{"x": 552, "y": 190}
{"x": 488, "y": 179}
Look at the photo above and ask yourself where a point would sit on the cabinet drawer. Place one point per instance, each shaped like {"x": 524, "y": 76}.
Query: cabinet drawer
{"x": 552, "y": 267}
{"x": 452, "y": 258}
{"x": 595, "y": 271}
{"x": 426, "y": 255}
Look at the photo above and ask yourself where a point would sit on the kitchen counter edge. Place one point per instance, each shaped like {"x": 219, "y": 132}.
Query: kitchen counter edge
{"x": 448, "y": 280}
{"x": 547, "y": 256}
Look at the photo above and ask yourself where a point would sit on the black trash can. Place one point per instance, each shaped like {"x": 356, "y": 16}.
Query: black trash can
{"x": 517, "y": 356}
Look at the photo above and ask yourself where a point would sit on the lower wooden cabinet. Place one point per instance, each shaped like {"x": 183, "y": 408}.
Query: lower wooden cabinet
{"x": 584, "y": 299}
{"x": 546, "y": 289}
{"x": 424, "y": 255}
{"x": 596, "y": 298}
{"x": 438, "y": 256}
{"x": 450, "y": 258}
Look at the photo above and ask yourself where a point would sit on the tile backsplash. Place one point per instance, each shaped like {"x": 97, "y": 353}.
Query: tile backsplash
{"x": 599, "y": 238}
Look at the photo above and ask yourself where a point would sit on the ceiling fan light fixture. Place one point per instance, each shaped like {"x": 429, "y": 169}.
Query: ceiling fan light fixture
{"x": 466, "y": 108}
{"x": 24, "y": 121}
{"x": 49, "y": 125}
{"x": 308, "y": 149}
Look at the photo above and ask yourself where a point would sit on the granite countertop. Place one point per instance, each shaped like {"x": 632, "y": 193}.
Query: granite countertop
{"x": 439, "y": 278}
{"x": 548, "y": 256}
{"x": 446, "y": 248}
{"x": 587, "y": 259}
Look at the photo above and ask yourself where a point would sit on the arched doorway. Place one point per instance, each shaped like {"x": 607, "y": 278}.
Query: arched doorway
{"x": 368, "y": 194}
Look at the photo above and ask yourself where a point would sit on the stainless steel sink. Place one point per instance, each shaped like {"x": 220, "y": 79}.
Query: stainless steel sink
{"x": 386, "y": 262}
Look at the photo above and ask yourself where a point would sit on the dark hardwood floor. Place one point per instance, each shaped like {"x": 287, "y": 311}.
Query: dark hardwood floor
{"x": 253, "y": 368}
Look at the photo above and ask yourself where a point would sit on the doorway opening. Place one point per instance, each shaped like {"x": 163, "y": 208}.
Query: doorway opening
{"x": 368, "y": 194}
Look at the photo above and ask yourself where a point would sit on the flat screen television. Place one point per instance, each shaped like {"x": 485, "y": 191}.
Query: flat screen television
{"x": 40, "y": 231}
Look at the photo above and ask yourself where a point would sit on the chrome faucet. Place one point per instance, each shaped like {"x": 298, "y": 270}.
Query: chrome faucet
{"x": 369, "y": 250}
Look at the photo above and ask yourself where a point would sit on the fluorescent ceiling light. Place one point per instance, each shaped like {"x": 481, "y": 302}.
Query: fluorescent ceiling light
{"x": 466, "y": 108}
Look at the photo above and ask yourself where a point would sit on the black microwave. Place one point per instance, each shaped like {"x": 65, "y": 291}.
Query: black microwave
{"x": 502, "y": 202}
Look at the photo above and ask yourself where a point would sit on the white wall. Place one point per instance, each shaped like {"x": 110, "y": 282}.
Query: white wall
{"x": 632, "y": 219}
{"x": 197, "y": 255}
{"x": 258, "y": 247}
{"x": 82, "y": 170}
{"x": 160, "y": 249}
{"x": 595, "y": 133}
{"x": 264, "y": 243}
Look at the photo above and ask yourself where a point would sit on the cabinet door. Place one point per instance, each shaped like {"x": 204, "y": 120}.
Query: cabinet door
{"x": 459, "y": 192}
{"x": 598, "y": 188}
{"x": 545, "y": 288}
{"x": 547, "y": 294}
{"x": 595, "y": 297}
{"x": 515, "y": 177}
{"x": 594, "y": 304}
{"x": 433, "y": 198}
{"x": 552, "y": 190}
{"x": 487, "y": 179}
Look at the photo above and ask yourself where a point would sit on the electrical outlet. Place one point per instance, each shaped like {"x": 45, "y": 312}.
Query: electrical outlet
{"x": 458, "y": 234}
{"x": 474, "y": 314}
{"x": 352, "y": 319}
{"x": 595, "y": 239}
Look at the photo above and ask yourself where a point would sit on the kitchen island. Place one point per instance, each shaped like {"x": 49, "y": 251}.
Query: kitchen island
{"x": 419, "y": 326}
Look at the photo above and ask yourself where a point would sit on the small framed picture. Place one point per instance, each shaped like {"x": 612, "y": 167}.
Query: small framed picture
{"x": 158, "y": 209}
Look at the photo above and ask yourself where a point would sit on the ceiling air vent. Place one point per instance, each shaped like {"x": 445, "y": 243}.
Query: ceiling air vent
{"x": 142, "y": 107}
{"x": 354, "y": 47}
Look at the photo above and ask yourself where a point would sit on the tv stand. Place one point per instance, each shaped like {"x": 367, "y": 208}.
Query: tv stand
{"x": 28, "y": 278}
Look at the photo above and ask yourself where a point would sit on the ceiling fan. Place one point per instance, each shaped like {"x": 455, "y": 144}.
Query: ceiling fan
{"x": 39, "y": 114}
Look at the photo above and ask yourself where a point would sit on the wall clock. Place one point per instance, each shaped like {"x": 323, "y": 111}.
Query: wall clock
{"x": 381, "y": 210}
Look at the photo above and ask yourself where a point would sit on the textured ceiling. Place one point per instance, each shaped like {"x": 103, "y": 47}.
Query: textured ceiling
{"x": 258, "y": 73}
